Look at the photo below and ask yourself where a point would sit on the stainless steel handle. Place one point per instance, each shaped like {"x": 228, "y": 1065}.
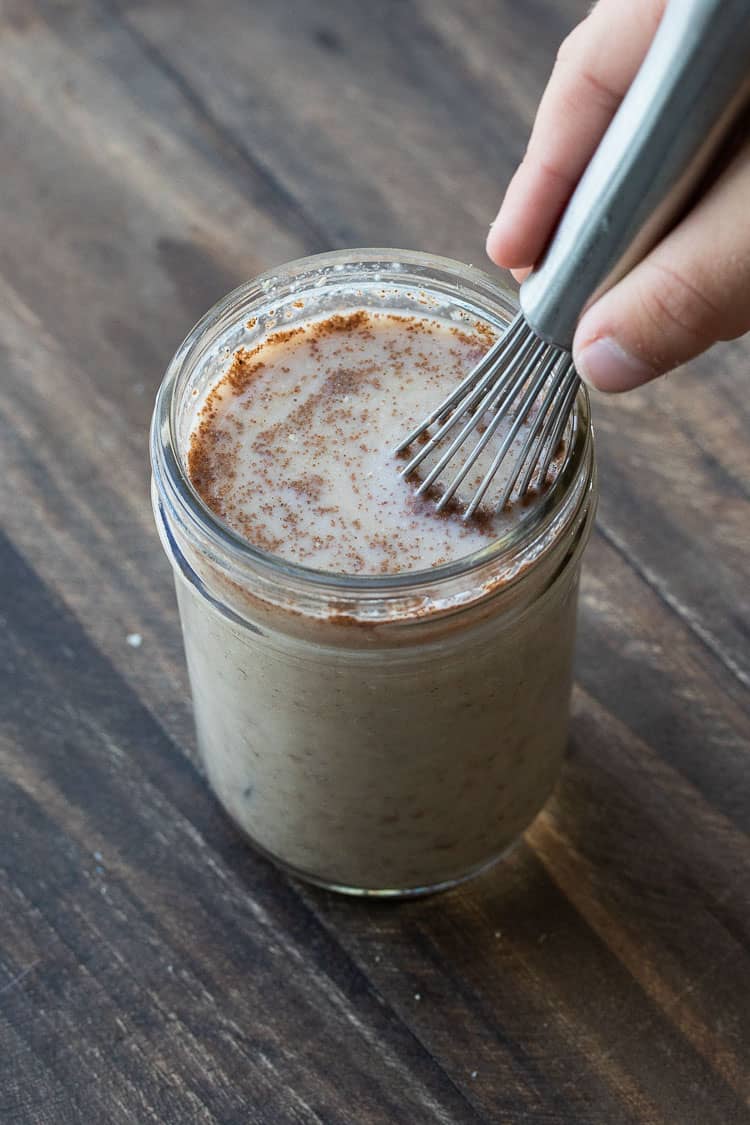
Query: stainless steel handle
{"x": 688, "y": 92}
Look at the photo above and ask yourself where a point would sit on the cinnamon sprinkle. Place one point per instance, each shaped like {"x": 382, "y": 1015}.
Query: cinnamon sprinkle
{"x": 291, "y": 447}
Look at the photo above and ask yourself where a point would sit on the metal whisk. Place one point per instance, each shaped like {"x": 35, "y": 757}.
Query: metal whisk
{"x": 689, "y": 91}
{"x": 518, "y": 371}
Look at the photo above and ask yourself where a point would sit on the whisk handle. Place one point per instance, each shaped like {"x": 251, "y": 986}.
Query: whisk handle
{"x": 692, "y": 85}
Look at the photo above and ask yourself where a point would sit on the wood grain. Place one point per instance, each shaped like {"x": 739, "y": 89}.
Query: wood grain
{"x": 152, "y": 967}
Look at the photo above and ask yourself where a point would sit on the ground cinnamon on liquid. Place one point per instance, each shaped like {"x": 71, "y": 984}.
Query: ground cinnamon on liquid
{"x": 292, "y": 447}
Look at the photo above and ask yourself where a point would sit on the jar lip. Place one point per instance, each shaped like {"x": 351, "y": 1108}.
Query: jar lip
{"x": 172, "y": 481}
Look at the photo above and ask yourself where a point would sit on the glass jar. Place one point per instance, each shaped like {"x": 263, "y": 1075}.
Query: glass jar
{"x": 384, "y": 735}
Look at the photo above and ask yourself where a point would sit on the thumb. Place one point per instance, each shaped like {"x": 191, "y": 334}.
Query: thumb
{"x": 690, "y": 291}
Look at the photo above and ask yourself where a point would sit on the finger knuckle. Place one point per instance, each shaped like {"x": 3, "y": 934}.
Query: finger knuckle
{"x": 595, "y": 89}
{"x": 570, "y": 48}
{"x": 580, "y": 72}
{"x": 555, "y": 172}
{"x": 672, "y": 300}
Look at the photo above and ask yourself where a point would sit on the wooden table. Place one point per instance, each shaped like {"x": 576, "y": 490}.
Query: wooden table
{"x": 152, "y": 967}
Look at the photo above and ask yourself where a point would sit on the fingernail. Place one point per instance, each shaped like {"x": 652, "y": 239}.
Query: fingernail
{"x": 607, "y": 366}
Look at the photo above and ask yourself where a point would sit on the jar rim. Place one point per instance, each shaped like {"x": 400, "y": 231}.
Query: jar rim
{"x": 439, "y": 274}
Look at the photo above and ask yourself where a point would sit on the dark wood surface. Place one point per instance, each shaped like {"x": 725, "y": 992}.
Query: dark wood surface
{"x": 154, "y": 153}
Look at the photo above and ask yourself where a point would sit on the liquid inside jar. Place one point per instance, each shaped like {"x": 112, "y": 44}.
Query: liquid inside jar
{"x": 293, "y": 446}
{"x": 381, "y": 691}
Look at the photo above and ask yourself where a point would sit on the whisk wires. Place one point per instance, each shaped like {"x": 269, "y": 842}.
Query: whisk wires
{"x": 522, "y": 379}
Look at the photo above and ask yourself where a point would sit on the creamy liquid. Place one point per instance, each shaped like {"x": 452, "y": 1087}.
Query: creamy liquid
{"x": 294, "y": 446}
{"x": 387, "y": 763}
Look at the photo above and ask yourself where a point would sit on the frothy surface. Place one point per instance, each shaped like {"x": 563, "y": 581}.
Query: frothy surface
{"x": 293, "y": 446}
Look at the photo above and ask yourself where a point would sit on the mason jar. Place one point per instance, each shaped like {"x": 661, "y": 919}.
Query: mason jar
{"x": 386, "y": 734}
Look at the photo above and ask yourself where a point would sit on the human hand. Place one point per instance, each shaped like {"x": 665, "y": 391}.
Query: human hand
{"x": 694, "y": 287}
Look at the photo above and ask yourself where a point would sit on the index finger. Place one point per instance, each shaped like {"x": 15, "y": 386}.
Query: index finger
{"x": 594, "y": 68}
